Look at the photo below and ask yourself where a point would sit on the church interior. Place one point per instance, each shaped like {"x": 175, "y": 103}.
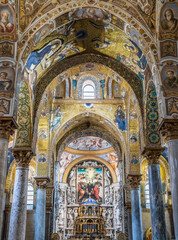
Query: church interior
{"x": 88, "y": 120}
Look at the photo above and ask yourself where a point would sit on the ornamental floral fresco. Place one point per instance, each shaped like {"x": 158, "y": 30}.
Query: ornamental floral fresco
{"x": 23, "y": 136}
{"x": 152, "y": 123}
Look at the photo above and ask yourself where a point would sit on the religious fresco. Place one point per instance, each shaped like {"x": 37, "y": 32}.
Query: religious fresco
{"x": 60, "y": 91}
{"x": 89, "y": 143}
{"x": 6, "y": 49}
{"x": 90, "y": 183}
{"x": 28, "y": 10}
{"x": 41, "y": 33}
{"x": 112, "y": 159}
{"x": 66, "y": 158}
{"x": 148, "y": 12}
{"x": 53, "y": 74}
{"x": 4, "y": 106}
{"x": 168, "y": 48}
{"x": 172, "y": 106}
{"x": 170, "y": 80}
{"x": 93, "y": 13}
{"x": 169, "y": 21}
{"x": 77, "y": 36}
{"x": 7, "y": 77}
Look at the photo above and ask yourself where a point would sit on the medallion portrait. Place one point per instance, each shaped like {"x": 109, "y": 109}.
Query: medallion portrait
{"x": 169, "y": 17}
{"x": 170, "y": 78}
{"x": 6, "y": 19}
{"x": 7, "y": 76}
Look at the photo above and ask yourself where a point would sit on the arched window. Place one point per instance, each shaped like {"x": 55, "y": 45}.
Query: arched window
{"x": 147, "y": 196}
{"x": 88, "y": 90}
{"x": 30, "y": 196}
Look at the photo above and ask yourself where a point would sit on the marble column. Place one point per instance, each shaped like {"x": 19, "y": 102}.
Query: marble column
{"x": 169, "y": 129}
{"x": 134, "y": 182}
{"x": 128, "y": 205}
{"x": 158, "y": 221}
{"x": 40, "y": 215}
{"x": 7, "y": 126}
{"x": 17, "y": 227}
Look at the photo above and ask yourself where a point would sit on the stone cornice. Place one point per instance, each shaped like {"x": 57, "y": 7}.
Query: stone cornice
{"x": 7, "y": 127}
{"x": 22, "y": 156}
{"x": 134, "y": 179}
{"x": 169, "y": 129}
{"x": 42, "y": 182}
{"x": 152, "y": 154}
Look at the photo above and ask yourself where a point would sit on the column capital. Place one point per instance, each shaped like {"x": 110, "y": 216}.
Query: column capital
{"x": 42, "y": 182}
{"x": 7, "y": 127}
{"x": 134, "y": 180}
{"x": 169, "y": 129}
{"x": 22, "y": 156}
{"x": 153, "y": 154}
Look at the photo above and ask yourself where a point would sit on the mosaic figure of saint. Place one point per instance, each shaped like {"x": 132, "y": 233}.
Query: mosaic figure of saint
{"x": 134, "y": 159}
{"x": 57, "y": 119}
{"x": 169, "y": 22}
{"x": 5, "y": 25}
{"x": 120, "y": 118}
{"x": 42, "y": 158}
{"x": 43, "y": 54}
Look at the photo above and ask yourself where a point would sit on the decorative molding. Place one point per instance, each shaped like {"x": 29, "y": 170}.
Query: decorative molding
{"x": 42, "y": 182}
{"x": 7, "y": 127}
{"x": 22, "y": 156}
{"x": 134, "y": 180}
{"x": 169, "y": 129}
{"x": 152, "y": 154}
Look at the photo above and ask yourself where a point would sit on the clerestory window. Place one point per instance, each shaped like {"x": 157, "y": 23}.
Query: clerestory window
{"x": 30, "y": 196}
{"x": 88, "y": 90}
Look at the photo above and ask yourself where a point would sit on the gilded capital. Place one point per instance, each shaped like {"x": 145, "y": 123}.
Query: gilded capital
{"x": 7, "y": 127}
{"x": 22, "y": 156}
{"x": 134, "y": 180}
{"x": 42, "y": 182}
{"x": 152, "y": 154}
{"x": 169, "y": 129}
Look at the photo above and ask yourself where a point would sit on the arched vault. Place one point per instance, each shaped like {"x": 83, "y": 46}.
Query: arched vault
{"x": 132, "y": 79}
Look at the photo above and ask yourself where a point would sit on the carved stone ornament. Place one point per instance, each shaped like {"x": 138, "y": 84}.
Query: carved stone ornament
{"x": 22, "y": 156}
{"x": 42, "y": 182}
{"x": 169, "y": 129}
{"x": 152, "y": 154}
{"x": 134, "y": 180}
{"x": 7, "y": 127}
